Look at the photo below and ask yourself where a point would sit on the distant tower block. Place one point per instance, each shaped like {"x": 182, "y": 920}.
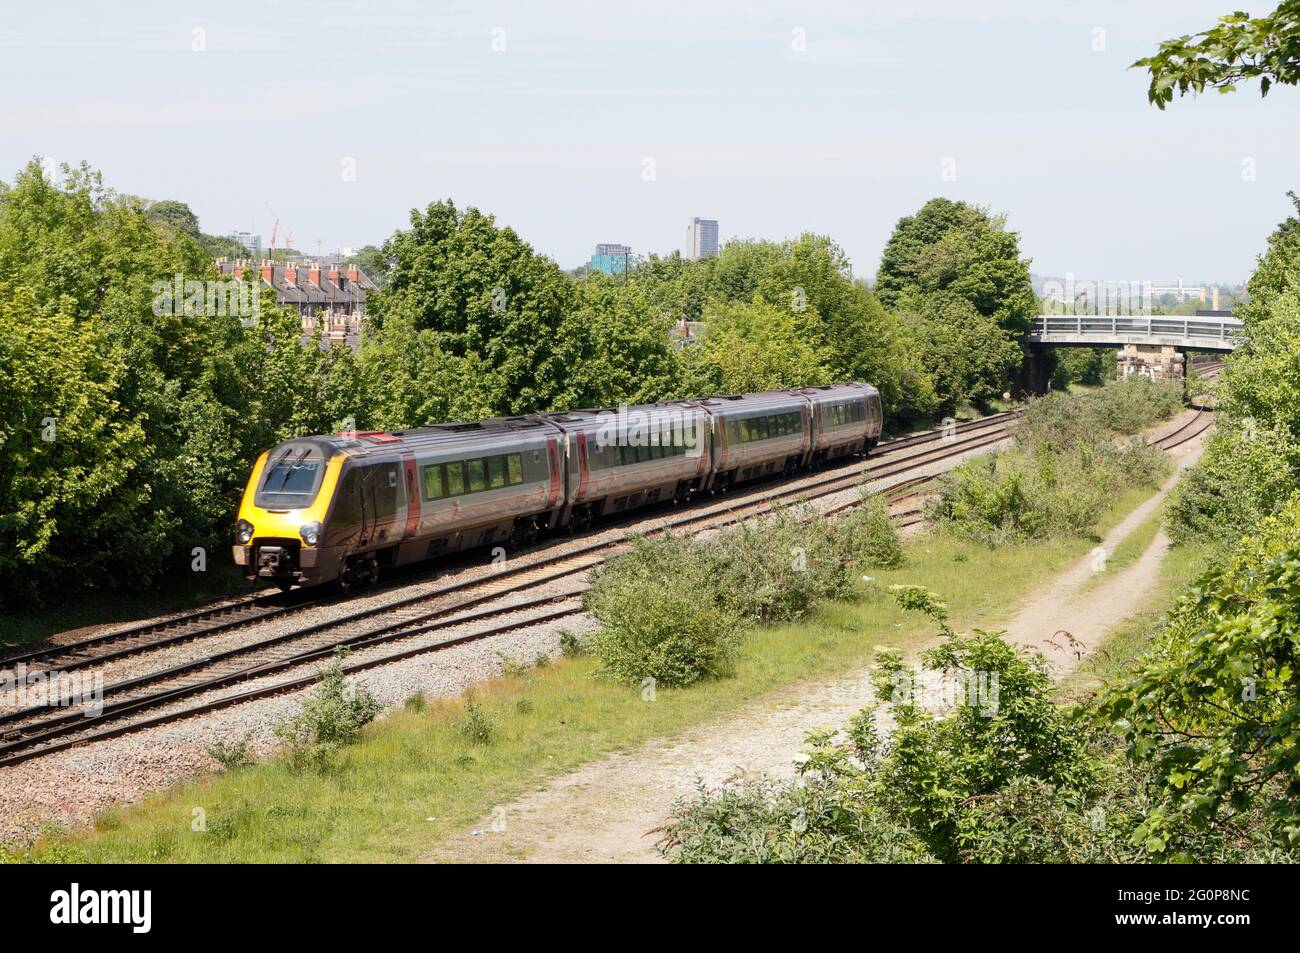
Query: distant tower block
{"x": 1160, "y": 362}
{"x": 702, "y": 238}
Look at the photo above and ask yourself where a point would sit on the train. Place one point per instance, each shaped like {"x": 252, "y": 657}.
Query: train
{"x": 343, "y": 508}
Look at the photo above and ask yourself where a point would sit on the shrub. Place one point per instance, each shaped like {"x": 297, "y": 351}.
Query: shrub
{"x": 867, "y": 535}
{"x": 477, "y": 726}
{"x": 1065, "y": 468}
{"x": 909, "y": 798}
{"x": 1134, "y": 404}
{"x": 573, "y": 645}
{"x": 661, "y": 616}
{"x": 331, "y": 717}
{"x": 231, "y": 754}
{"x": 777, "y": 568}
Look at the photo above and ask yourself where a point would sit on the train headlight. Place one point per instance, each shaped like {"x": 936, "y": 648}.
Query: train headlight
{"x": 243, "y": 532}
{"x": 310, "y": 533}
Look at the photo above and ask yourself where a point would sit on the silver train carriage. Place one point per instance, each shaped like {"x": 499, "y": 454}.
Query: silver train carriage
{"x": 345, "y": 507}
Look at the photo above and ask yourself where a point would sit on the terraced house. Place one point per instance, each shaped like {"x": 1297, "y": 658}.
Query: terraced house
{"x": 332, "y": 296}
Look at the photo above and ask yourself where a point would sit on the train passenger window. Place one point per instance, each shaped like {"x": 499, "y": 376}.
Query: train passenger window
{"x": 643, "y": 453}
{"x": 597, "y": 458}
{"x": 475, "y": 475}
{"x": 433, "y": 488}
{"x": 455, "y": 478}
{"x": 733, "y": 431}
{"x": 688, "y": 435}
{"x": 496, "y": 467}
{"x": 515, "y": 468}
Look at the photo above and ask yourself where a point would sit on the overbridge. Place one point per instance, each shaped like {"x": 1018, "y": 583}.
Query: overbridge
{"x": 1185, "y": 334}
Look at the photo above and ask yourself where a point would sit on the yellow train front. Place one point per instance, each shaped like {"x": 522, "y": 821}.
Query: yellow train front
{"x": 280, "y": 534}
{"x": 345, "y": 507}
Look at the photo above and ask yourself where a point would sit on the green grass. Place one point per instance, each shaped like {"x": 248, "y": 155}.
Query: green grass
{"x": 376, "y": 801}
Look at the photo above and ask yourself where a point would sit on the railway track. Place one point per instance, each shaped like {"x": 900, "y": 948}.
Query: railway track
{"x": 208, "y": 621}
{"x": 1200, "y": 422}
{"x": 32, "y": 731}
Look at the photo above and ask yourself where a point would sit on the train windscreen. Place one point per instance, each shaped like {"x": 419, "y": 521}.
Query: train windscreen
{"x": 292, "y": 478}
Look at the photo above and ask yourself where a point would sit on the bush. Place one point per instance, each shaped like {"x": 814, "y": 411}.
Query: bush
{"x": 661, "y": 616}
{"x": 1134, "y": 403}
{"x": 908, "y": 798}
{"x": 477, "y": 726}
{"x": 231, "y": 754}
{"x": 332, "y": 717}
{"x": 777, "y": 568}
{"x": 673, "y": 609}
{"x": 867, "y": 535}
{"x": 1067, "y": 465}
{"x": 573, "y": 645}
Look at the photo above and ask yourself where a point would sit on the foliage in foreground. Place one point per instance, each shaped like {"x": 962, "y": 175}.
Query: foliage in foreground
{"x": 673, "y": 609}
{"x": 1237, "y": 48}
{"x": 1213, "y": 713}
{"x": 1072, "y": 455}
{"x": 331, "y": 717}
{"x": 1003, "y": 776}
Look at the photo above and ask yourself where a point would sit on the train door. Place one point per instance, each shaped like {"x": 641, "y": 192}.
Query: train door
{"x": 382, "y": 495}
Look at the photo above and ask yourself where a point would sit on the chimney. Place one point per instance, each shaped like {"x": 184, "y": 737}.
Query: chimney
{"x": 354, "y": 274}
{"x": 239, "y": 269}
{"x": 291, "y": 273}
{"x": 268, "y": 271}
{"x": 313, "y": 273}
{"x": 334, "y": 274}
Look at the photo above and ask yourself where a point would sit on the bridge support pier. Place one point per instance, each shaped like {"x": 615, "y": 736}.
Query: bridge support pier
{"x": 1160, "y": 362}
{"x": 1035, "y": 375}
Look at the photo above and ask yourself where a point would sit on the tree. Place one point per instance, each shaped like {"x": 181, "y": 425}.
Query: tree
{"x": 487, "y": 295}
{"x": 159, "y": 402}
{"x": 961, "y": 250}
{"x": 613, "y": 348}
{"x": 1235, "y": 50}
{"x": 372, "y": 262}
{"x": 967, "y": 355}
{"x": 753, "y": 347}
{"x": 1251, "y": 462}
{"x": 957, "y": 273}
{"x": 177, "y": 215}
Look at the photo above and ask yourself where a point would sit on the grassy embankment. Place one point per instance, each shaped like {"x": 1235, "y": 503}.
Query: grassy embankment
{"x": 417, "y": 777}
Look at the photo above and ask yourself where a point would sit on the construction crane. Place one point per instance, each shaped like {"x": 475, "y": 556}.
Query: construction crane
{"x": 276, "y": 230}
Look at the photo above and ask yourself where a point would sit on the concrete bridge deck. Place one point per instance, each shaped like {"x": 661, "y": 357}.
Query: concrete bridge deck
{"x": 1184, "y": 333}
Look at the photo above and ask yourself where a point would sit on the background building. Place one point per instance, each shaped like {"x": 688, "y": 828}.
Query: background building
{"x": 702, "y": 238}
{"x": 324, "y": 295}
{"x": 249, "y": 240}
{"x": 612, "y": 259}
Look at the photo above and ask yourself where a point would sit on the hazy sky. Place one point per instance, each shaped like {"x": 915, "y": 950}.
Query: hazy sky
{"x": 609, "y": 122}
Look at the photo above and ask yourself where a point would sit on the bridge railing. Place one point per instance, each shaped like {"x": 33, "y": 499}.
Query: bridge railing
{"x": 1115, "y": 326}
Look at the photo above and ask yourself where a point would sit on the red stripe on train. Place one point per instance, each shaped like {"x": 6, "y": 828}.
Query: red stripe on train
{"x": 412, "y": 496}
{"x": 554, "y": 456}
